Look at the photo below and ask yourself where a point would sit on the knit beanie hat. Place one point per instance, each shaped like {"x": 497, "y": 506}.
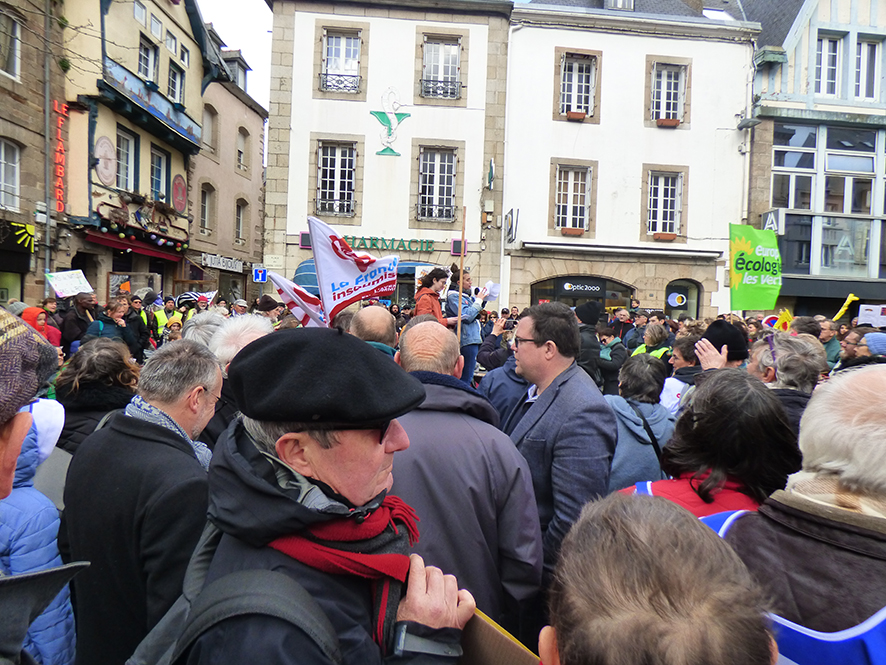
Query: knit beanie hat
{"x": 722, "y": 333}
{"x": 266, "y": 303}
{"x": 16, "y": 308}
{"x": 589, "y": 312}
{"x": 876, "y": 342}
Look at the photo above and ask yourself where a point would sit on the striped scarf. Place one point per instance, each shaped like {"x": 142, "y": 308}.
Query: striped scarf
{"x": 140, "y": 409}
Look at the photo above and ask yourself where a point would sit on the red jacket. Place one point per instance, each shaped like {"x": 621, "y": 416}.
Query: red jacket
{"x": 427, "y": 301}
{"x": 680, "y": 492}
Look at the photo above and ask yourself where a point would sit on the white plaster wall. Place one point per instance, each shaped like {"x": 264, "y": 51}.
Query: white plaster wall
{"x": 387, "y": 179}
{"x": 621, "y": 143}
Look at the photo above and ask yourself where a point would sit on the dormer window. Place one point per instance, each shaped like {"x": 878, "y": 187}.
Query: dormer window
{"x": 620, "y": 4}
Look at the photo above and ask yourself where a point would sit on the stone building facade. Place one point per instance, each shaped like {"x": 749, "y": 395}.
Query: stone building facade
{"x": 226, "y": 186}
{"x": 23, "y": 49}
{"x": 623, "y": 157}
{"x": 394, "y": 147}
{"x": 818, "y": 171}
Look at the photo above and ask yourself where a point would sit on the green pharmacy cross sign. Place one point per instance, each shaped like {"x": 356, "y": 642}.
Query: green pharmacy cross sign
{"x": 754, "y": 268}
{"x": 390, "y": 118}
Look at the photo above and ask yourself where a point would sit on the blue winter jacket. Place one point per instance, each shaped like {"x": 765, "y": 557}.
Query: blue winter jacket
{"x": 470, "y": 311}
{"x": 29, "y": 525}
{"x": 635, "y": 459}
{"x": 504, "y": 388}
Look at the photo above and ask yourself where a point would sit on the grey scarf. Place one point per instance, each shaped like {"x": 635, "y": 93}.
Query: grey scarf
{"x": 140, "y": 409}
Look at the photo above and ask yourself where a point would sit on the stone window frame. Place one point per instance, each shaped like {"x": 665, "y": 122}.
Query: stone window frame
{"x": 686, "y": 65}
{"x": 560, "y": 55}
{"x": 243, "y": 168}
{"x": 361, "y": 29}
{"x": 16, "y": 187}
{"x": 561, "y": 162}
{"x": 206, "y": 232}
{"x": 414, "y": 182}
{"x": 18, "y": 24}
{"x": 209, "y": 148}
{"x": 245, "y": 227}
{"x": 359, "y": 143}
{"x": 436, "y": 32}
{"x": 681, "y": 235}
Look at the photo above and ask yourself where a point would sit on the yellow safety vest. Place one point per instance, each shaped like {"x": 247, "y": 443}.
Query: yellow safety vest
{"x": 658, "y": 353}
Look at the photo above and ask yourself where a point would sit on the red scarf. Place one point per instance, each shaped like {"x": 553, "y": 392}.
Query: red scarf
{"x": 377, "y": 552}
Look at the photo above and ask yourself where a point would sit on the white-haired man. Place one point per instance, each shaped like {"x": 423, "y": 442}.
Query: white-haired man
{"x": 818, "y": 547}
{"x": 234, "y": 334}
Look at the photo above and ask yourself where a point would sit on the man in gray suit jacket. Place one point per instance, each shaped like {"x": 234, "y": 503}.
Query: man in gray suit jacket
{"x": 563, "y": 427}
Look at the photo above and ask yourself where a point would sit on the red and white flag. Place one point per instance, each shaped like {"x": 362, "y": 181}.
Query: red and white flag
{"x": 345, "y": 276}
{"x": 305, "y": 307}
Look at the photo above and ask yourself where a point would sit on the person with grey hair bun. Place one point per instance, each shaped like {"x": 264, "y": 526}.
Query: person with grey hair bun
{"x": 817, "y": 548}
{"x": 135, "y": 502}
{"x": 201, "y": 327}
{"x": 791, "y": 367}
{"x": 644, "y": 425}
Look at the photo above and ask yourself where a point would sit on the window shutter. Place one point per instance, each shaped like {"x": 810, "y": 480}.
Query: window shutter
{"x": 653, "y": 88}
{"x": 323, "y": 50}
{"x": 678, "y": 205}
{"x": 587, "y": 220}
{"x": 593, "y": 86}
{"x": 684, "y": 71}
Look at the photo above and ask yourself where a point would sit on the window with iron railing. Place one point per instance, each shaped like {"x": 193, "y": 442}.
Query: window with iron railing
{"x": 441, "y": 69}
{"x": 341, "y": 63}
{"x": 436, "y": 198}
{"x": 335, "y": 179}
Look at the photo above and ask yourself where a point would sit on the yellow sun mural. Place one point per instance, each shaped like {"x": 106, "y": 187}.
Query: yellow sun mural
{"x": 736, "y": 246}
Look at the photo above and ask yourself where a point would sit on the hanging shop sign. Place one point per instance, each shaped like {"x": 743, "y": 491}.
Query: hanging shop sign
{"x": 60, "y": 156}
{"x": 221, "y": 263}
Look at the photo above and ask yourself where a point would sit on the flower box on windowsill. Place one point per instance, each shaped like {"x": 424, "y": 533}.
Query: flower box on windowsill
{"x": 572, "y": 232}
{"x": 576, "y": 116}
{"x": 668, "y": 123}
{"x": 664, "y": 237}
{"x": 152, "y": 86}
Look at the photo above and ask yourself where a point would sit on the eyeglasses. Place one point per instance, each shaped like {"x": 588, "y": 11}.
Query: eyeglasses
{"x": 212, "y": 394}
{"x": 340, "y": 427}
{"x": 522, "y": 340}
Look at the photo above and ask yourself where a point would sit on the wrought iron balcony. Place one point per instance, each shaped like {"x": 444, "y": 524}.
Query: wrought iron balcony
{"x": 339, "y": 83}
{"x": 440, "y": 89}
{"x": 341, "y": 207}
{"x": 440, "y": 213}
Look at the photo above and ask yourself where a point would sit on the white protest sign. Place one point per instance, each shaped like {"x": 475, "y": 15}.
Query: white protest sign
{"x": 345, "y": 276}
{"x": 493, "y": 290}
{"x": 873, "y": 314}
{"x": 69, "y": 283}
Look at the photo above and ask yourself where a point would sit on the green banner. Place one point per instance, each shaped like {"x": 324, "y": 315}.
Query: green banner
{"x": 754, "y": 268}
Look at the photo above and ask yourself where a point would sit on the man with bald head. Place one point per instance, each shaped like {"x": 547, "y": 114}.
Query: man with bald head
{"x": 377, "y": 327}
{"x": 468, "y": 483}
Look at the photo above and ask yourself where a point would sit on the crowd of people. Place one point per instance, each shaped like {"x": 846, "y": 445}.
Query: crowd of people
{"x": 611, "y": 487}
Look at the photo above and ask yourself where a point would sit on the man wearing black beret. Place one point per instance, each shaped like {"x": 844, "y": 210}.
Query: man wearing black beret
{"x": 299, "y": 485}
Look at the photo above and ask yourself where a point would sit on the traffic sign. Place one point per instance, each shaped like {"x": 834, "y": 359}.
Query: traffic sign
{"x": 259, "y": 275}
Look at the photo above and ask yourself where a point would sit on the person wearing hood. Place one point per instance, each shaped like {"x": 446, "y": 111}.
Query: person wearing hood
{"x": 173, "y": 324}
{"x": 111, "y": 324}
{"x": 612, "y": 356}
{"x": 301, "y": 487}
{"x": 588, "y": 315}
{"x": 790, "y": 366}
{"x": 686, "y": 368}
{"x": 29, "y": 524}
{"x": 36, "y": 318}
{"x": 637, "y": 412}
{"x": 467, "y": 482}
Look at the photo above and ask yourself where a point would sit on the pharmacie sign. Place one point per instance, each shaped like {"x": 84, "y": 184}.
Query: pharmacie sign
{"x": 390, "y": 244}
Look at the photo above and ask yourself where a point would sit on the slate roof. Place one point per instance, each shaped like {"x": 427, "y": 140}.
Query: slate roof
{"x": 661, "y": 7}
{"x": 775, "y": 16}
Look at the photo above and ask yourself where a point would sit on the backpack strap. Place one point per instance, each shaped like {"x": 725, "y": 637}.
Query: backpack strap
{"x": 105, "y": 418}
{"x": 648, "y": 429}
{"x": 265, "y": 592}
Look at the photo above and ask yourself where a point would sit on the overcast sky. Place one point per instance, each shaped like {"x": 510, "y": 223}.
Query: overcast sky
{"x": 245, "y": 25}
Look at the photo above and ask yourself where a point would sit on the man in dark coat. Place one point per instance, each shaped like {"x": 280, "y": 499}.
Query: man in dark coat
{"x": 588, "y": 315}
{"x": 467, "y": 482}
{"x": 139, "y": 328}
{"x": 504, "y": 388}
{"x": 563, "y": 427}
{"x": 77, "y": 319}
{"x": 612, "y": 356}
{"x": 135, "y": 502}
{"x": 299, "y": 486}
